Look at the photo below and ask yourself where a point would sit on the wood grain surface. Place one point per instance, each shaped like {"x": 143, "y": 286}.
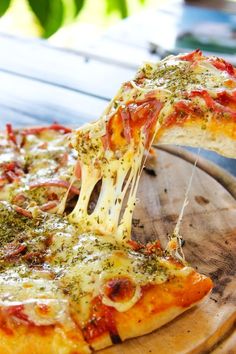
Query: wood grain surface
{"x": 209, "y": 230}
{"x": 36, "y": 59}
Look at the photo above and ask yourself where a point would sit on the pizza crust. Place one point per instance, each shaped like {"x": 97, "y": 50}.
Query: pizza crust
{"x": 48, "y": 340}
{"x": 159, "y": 305}
{"x": 101, "y": 342}
{"x": 195, "y": 136}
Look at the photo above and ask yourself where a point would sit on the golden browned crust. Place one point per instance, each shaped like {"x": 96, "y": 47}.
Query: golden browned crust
{"x": 48, "y": 340}
{"x": 158, "y": 305}
{"x": 222, "y": 141}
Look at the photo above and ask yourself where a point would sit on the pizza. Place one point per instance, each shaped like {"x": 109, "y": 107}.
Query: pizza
{"x": 198, "y": 99}
{"x": 72, "y": 280}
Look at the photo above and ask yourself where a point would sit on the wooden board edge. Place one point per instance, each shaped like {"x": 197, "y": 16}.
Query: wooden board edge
{"x": 227, "y": 346}
{"x": 227, "y": 342}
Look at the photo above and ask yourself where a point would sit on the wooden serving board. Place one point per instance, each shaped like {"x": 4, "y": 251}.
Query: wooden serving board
{"x": 209, "y": 230}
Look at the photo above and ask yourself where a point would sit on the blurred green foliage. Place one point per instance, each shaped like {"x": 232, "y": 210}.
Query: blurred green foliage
{"x": 51, "y": 13}
{"x": 4, "y": 4}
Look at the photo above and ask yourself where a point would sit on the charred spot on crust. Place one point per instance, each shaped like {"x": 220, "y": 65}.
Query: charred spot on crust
{"x": 119, "y": 289}
{"x": 115, "y": 338}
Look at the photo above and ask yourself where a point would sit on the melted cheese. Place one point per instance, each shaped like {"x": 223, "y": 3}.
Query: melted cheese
{"x": 42, "y": 164}
{"x": 87, "y": 261}
{"x": 117, "y": 173}
{"x": 76, "y": 268}
{"x": 174, "y": 246}
{"x": 21, "y": 287}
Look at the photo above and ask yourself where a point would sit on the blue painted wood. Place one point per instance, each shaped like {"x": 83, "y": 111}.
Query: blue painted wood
{"x": 226, "y": 163}
{"x": 64, "y": 68}
{"x": 15, "y": 117}
{"x": 25, "y": 98}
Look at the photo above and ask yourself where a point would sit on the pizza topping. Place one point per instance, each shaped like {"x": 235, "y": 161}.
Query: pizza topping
{"x": 217, "y": 104}
{"x": 101, "y": 321}
{"x": 81, "y": 267}
{"x": 22, "y": 211}
{"x": 193, "y": 56}
{"x": 11, "y": 171}
{"x": 17, "y": 312}
{"x": 12, "y": 223}
{"x": 134, "y": 244}
{"x": 120, "y": 293}
{"x": 48, "y": 206}
{"x": 10, "y": 134}
{"x": 43, "y": 312}
{"x": 223, "y": 65}
{"x": 55, "y": 183}
{"x": 153, "y": 247}
{"x": 39, "y": 130}
{"x": 119, "y": 289}
{"x": 229, "y": 100}
{"x": 44, "y": 160}
{"x": 13, "y": 249}
{"x": 78, "y": 170}
{"x": 47, "y": 312}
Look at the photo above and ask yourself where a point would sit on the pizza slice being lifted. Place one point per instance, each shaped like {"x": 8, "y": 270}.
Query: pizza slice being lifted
{"x": 198, "y": 94}
{"x": 78, "y": 282}
{"x": 188, "y": 99}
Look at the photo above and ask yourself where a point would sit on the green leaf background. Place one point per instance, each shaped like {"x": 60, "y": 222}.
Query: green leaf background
{"x": 51, "y": 13}
{"x": 117, "y": 5}
{"x": 78, "y": 6}
{"x": 4, "y": 4}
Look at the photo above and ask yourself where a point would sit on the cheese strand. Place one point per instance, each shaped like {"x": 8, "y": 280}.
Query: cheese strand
{"x": 176, "y": 239}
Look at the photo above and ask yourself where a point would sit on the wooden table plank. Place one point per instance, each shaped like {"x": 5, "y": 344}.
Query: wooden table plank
{"x": 64, "y": 68}
{"x": 15, "y": 117}
{"x": 45, "y": 103}
{"x": 124, "y": 54}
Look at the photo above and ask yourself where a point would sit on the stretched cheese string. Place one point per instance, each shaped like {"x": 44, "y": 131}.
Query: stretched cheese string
{"x": 105, "y": 217}
{"x": 186, "y": 195}
{"x": 128, "y": 214}
{"x": 62, "y": 205}
{"x": 176, "y": 239}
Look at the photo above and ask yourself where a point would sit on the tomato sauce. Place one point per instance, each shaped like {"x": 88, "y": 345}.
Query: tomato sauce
{"x": 128, "y": 121}
{"x": 101, "y": 321}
